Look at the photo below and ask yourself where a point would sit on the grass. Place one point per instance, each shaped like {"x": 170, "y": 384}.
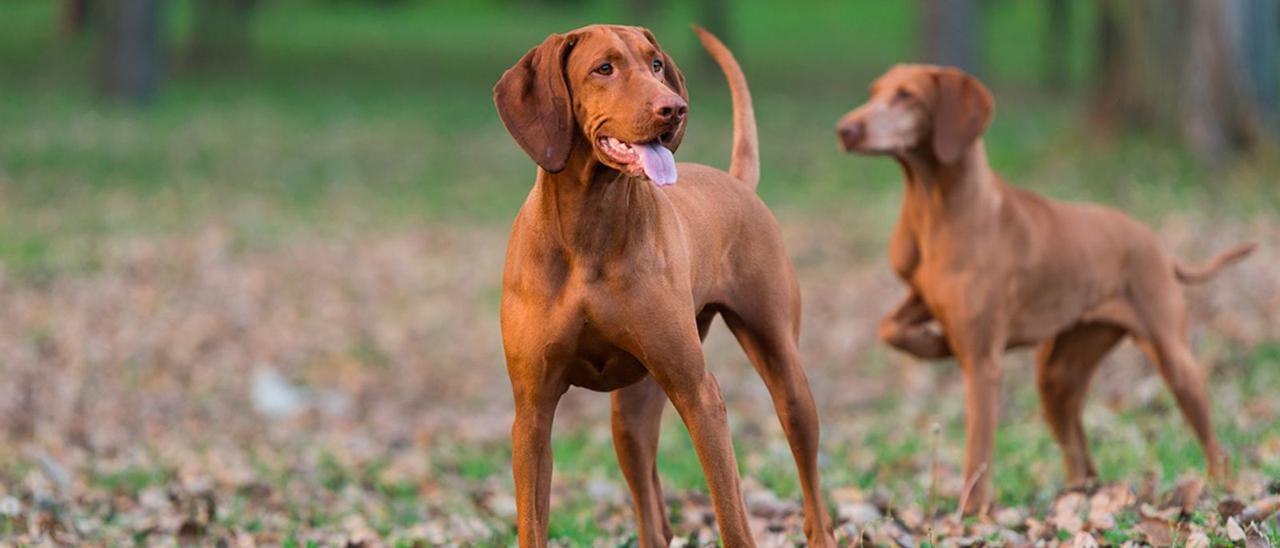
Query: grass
{"x": 353, "y": 122}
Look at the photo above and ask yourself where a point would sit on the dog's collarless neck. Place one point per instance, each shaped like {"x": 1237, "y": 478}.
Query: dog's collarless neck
{"x": 965, "y": 185}
{"x": 603, "y": 215}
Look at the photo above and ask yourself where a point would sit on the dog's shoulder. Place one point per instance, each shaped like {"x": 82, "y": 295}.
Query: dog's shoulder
{"x": 707, "y": 178}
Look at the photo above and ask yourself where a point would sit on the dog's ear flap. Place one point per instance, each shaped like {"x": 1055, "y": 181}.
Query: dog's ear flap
{"x": 962, "y": 109}
{"x": 533, "y": 102}
{"x": 670, "y": 72}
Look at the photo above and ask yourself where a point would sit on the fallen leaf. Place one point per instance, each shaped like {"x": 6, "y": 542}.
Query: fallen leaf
{"x": 1255, "y": 538}
{"x": 1186, "y": 494}
{"x": 1066, "y": 513}
{"x": 1010, "y": 518}
{"x": 858, "y": 513}
{"x": 1198, "y": 539}
{"x": 1234, "y": 531}
{"x": 1159, "y": 532}
{"x": 1259, "y": 510}
{"x": 1230, "y": 507}
{"x": 1083, "y": 540}
{"x": 1038, "y": 530}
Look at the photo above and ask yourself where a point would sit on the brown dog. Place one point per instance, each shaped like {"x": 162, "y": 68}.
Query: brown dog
{"x": 618, "y": 262}
{"x": 999, "y": 267}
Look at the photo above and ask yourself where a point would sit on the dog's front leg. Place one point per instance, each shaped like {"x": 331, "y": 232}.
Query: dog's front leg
{"x": 535, "y": 405}
{"x": 909, "y": 329}
{"x": 980, "y": 362}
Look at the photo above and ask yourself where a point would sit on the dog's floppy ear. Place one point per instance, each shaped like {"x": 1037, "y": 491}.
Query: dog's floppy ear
{"x": 533, "y": 102}
{"x": 961, "y": 111}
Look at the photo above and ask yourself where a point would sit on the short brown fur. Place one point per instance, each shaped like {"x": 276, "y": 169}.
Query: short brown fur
{"x": 992, "y": 267}
{"x": 611, "y": 281}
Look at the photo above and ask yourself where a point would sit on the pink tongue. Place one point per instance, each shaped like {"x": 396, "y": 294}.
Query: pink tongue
{"x": 658, "y": 163}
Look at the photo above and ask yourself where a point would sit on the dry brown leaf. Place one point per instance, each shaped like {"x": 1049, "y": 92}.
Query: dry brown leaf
{"x": 1186, "y": 494}
{"x": 1010, "y": 518}
{"x": 1255, "y": 538}
{"x": 1038, "y": 530}
{"x": 1259, "y": 510}
{"x": 1230, "y": 507}
{"x": 1159, "y": 532}
{"x": 1198, "y": 539}
{"x": 1234, "y": 531}
{"x": 1066, "y": 513}
{"x": 1083, "y": 540}
{"x": 1105, "y": 504}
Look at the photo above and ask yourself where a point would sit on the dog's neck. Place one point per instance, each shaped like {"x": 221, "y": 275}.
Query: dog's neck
{"x": 593, "y": 210}
{"x": 966, "y": 185}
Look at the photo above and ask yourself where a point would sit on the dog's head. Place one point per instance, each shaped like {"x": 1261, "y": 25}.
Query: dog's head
{"x": 938, "y": 111}
{"x": 607, "y": 92}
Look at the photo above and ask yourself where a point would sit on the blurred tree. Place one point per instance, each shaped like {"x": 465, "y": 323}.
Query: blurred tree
{"x": 1258, "y": 41}
{"x": 1057, "y": 44}
{"x": 75, "y": 16}
{"x": 1218, "y": 113}
{"x": 220, "y": 34}
{"x": 1187, "y": 68}
{"x": 1130, "y": 80}
{"x": 130, "y": 54}
{"x": 949, "y": 33}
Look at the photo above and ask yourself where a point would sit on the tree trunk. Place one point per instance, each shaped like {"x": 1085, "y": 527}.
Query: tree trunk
{"x": 949, "y": 34}
{"x": 1217, "y": 115}
{"x": 75, "y": 17}
{"x": 1057, "y": 43}
{"x": 1258, "y": 42}
{"x": 1139, "y": 45}
{"x": 220, "y": 34}
{"x": 130, "y": 56}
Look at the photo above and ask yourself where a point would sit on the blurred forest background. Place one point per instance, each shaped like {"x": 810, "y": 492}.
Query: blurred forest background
{"x": 250, "y": 254}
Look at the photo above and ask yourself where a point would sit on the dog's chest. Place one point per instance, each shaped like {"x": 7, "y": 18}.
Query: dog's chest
{"x": 600, "y": 365}
{"x": 904, "y": 252}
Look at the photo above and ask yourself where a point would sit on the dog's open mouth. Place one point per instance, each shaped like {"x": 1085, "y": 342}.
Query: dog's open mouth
{"x": 653, "y": 159}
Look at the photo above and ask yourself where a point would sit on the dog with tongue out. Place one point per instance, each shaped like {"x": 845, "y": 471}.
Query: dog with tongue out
{"x": 620, "y": 259}
{"x": 653, "y": 159}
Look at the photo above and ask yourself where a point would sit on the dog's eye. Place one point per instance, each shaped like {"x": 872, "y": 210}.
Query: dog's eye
{"x": 657, "y": 65}
{"x": 901, "y": 95}
{"x": 605, "y": 69}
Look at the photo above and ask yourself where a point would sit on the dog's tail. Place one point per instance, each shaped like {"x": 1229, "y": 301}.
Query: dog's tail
{"x": 745, "y": 164}
{"x": 1205, "y": 272}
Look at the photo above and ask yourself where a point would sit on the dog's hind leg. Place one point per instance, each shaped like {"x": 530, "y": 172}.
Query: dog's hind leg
{"x": 637, "y": 421}
{"x": 768, "y": 332}
{"x": 672, "y": 353}
{"x": 1064, "y": 366}
{"x": 1161, "y": 308}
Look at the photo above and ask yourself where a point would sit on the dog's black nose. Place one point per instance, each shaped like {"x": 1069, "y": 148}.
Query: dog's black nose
{"x": 670, "y": 109}
{"x": 851, "y": 134}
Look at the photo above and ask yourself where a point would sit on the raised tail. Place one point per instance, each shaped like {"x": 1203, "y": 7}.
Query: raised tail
{"x": 1205, "y": 272}
{"x": 745, "y": 163}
